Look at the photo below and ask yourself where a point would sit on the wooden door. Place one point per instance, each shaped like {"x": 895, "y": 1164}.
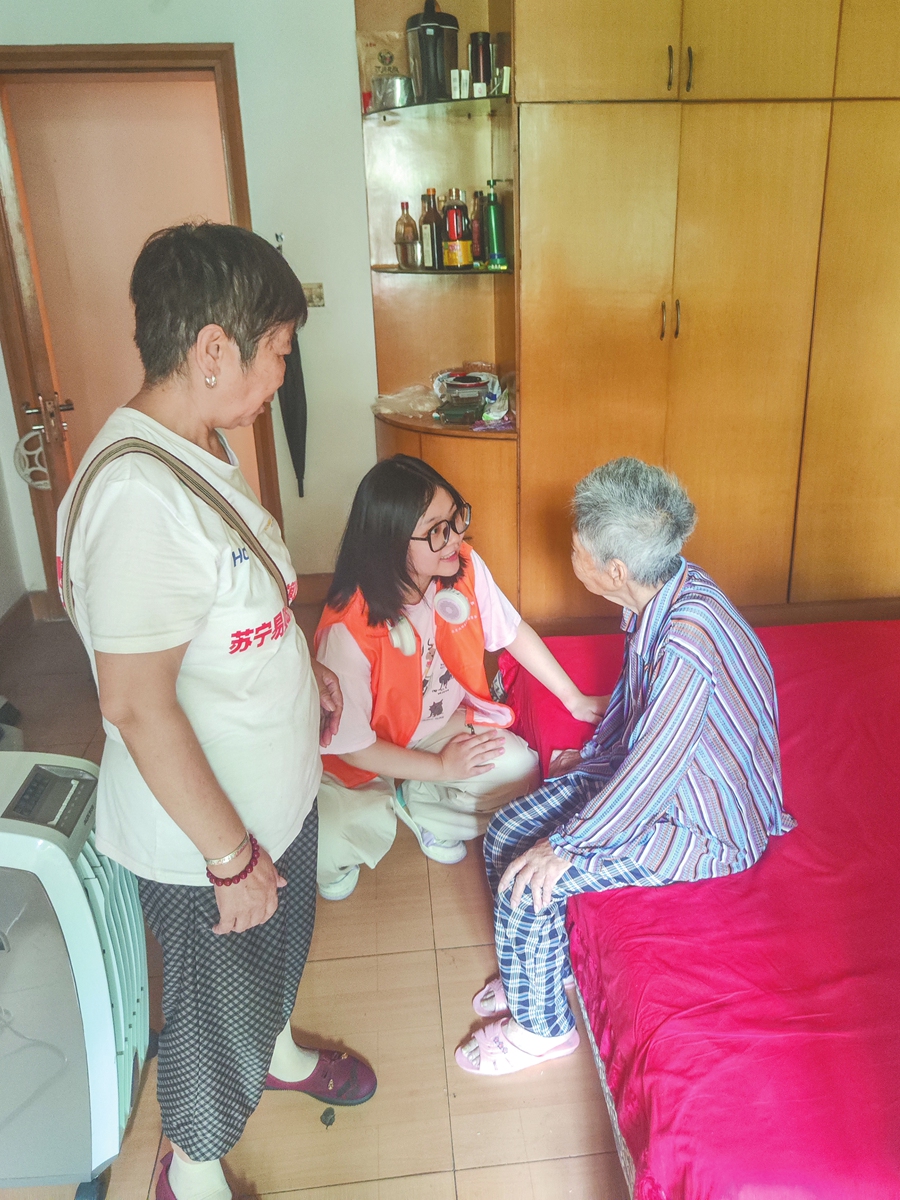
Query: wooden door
{"x": 28, "y": 352}
{"x": 869, "y": 49}
{"x": 749, "y": 210}
{"x": 758, "y": 49}
{"x": 848, "y": 519}
{"x": 597, "y": 49}
{"x": 26, "y": 317}
{"x": 598, "y": 190}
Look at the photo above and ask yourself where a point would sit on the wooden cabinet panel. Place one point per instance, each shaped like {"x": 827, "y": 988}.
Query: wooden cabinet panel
{"x": 484, "y": 472}
{"x": 430, "y": 323}
{"x": 869, "y": 50}
{"x": 598, "y": 189}
{"x": 391, "y": 440}
{"x": 749, "y": 210}
{"x": 596, "y": 49}
{"x": 759, "y": 49}
{"x": 848, "y": 518}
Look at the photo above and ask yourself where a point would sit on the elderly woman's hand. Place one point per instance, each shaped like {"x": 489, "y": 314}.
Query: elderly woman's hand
{"x": 589, "y": 708}
{"x": 538, "y": 867}
{"x": 253, "y": 900}
{"x": 331, "y": 702}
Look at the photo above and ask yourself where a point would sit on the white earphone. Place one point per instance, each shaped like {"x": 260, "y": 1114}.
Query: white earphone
{"x": 452, "y": 606}
{"x": 403, "y": 637}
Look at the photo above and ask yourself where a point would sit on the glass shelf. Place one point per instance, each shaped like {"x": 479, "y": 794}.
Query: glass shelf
{"x": 442, "y": 108}
{"x": 392, "y": 269}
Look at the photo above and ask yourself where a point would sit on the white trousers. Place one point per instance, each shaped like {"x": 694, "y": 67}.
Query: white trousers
{"x": 358, "y": 825}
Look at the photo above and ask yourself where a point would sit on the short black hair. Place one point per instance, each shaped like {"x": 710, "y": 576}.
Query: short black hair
{"x": 197, "y": 274}
{"x": 373, "y": 555}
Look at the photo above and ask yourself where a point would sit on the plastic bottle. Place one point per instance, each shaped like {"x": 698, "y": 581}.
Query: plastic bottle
{"x": 457, "y": 233}
{"x": 494, "y": 237}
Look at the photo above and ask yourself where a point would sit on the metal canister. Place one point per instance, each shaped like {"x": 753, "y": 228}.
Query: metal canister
{"x": 432, "y": 38}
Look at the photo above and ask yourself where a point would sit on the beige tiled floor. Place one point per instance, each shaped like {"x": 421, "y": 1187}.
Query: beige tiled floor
{"x": 392, "y": 970}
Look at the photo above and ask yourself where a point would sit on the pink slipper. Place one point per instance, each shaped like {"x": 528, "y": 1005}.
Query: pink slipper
{"x": 498, "y": 1055}
{"x": 163, "y": 1187}
{"x": 500, "y": 1002}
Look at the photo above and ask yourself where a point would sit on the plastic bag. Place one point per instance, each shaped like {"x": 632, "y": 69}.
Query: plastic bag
{"x": 411, "y": 402}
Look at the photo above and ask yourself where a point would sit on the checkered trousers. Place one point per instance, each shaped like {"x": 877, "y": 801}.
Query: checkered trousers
{"x": 225, "y": 999}
{"x": 533, "y": 948}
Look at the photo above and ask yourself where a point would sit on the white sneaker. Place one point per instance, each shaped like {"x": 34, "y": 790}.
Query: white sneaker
{"x": 342, "y": 887}
{"x": 432, "y": 847}
{"x": 442, "y": 852}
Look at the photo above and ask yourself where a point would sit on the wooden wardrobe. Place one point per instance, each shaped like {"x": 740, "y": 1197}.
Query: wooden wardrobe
{"x": 709, "y": 278}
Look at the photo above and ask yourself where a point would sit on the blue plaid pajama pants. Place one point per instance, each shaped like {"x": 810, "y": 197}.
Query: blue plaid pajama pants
{"x": 533, "y": 948}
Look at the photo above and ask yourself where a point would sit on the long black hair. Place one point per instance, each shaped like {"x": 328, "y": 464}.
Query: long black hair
{"x": 374, "y": 549}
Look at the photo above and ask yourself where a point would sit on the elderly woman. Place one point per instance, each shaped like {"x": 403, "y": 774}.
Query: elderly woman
{"x": 681, "y": 780}
{"x": 179, "y": 584}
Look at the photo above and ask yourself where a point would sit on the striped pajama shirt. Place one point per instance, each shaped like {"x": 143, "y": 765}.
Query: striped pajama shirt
{"x": 681, "y": 781}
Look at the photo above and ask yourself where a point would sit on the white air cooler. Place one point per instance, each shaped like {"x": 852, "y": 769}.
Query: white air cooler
{"x": 73, "y": 978}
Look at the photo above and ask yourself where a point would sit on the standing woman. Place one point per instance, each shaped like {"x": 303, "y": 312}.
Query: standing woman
{"x": 410, "y": 613}
{"x": 179, "y": 584}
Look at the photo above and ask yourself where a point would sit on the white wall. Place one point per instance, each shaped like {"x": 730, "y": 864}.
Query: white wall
{"x": 298, "y": 82}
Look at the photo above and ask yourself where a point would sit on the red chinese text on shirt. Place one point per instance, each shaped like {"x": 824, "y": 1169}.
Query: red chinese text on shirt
{"x": 244, "y": 639}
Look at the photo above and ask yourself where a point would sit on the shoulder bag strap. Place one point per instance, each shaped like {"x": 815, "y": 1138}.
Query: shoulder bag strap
{"x": 191, "y": 479}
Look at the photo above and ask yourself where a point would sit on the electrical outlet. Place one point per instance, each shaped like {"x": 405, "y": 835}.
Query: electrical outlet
{"x": 315, "y": 295}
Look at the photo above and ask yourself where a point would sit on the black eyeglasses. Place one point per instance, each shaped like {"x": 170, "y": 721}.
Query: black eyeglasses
{"x": 438, "y": 535}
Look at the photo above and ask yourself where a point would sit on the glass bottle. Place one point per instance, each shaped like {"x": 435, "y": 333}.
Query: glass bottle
{"x": 406, "y": 241}
{"x": 477, "y": 222}
{"x": 457, "y": 233}
{"x": 431, "y": 228}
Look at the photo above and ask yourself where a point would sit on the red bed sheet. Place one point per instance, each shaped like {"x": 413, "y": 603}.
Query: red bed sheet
{"x": 750, "y": 1026}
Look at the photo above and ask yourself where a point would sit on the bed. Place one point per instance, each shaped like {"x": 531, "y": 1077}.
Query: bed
{"x": 747, "y": 1029}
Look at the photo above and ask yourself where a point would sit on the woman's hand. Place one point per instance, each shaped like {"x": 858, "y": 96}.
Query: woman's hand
{"x": 562, "y": 761}
{"x": 588, "y": 708}
{"x": 538, "y": 867}
{"x": 331, "y": 702}
{"x": 470, "y": 754}
{"x": 253, "y": 900}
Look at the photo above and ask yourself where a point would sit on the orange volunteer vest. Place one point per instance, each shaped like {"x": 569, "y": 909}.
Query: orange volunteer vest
{"x": 397, "y": 677}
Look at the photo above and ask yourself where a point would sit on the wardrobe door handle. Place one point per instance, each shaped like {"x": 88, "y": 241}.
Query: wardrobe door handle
{"x": 677, "y": 317}
{"x": 690, "y": 78}
{"x": 671, "y": 69}
{"x": 662, "y": 332}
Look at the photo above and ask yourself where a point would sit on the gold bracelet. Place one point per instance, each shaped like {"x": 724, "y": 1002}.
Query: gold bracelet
{"x": 220, "y": 862}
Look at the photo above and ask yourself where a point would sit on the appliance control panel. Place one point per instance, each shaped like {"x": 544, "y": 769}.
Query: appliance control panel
{"x": 48, "y": 796}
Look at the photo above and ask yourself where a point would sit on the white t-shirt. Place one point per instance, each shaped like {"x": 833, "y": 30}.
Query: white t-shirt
{"x": 153, "y": 567}
{"x": 441, "y": 693}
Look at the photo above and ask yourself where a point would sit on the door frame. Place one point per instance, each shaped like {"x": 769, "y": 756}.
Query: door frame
{"x": 15, "y": 320}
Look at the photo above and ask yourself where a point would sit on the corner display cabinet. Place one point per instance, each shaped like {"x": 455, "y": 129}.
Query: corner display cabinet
{"x": 706, "y": 276}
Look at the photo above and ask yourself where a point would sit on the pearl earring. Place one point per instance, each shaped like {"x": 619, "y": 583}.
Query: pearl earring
{"x": 210, "y": 381}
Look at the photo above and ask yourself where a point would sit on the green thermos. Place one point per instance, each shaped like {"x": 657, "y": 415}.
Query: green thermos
{"x": 494, "y": 240}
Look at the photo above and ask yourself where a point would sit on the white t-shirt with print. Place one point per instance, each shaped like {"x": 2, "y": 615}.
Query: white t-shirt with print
{"x": 153, "y": 567}
{"x": 441, "y": 693}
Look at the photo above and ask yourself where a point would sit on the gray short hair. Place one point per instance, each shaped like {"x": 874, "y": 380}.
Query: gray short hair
{"x": 636, "y": 513}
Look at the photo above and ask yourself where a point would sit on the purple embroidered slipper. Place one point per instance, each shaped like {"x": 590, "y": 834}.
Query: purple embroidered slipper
{"x": 339, "y": 1078}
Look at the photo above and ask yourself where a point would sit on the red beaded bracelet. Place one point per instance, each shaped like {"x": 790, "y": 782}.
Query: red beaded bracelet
{"x": 254, "y": 859}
